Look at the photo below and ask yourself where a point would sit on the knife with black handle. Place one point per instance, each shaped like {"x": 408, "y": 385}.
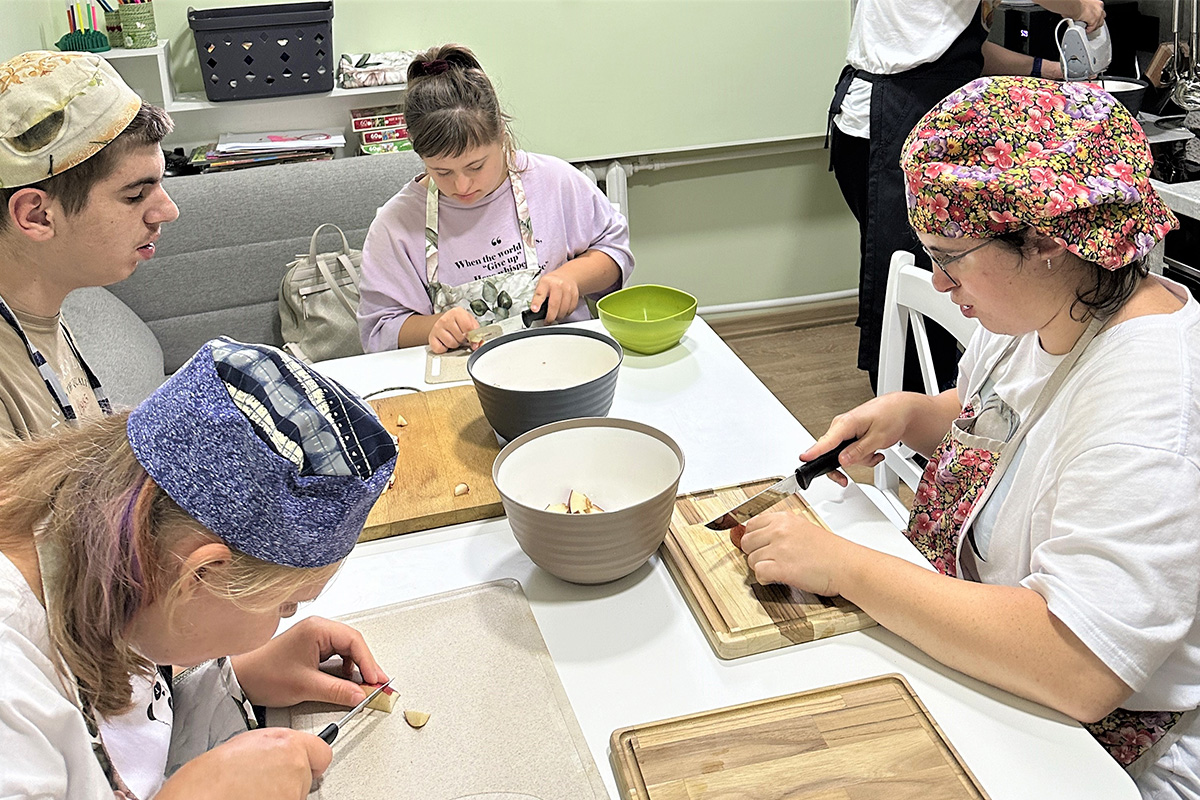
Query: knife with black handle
{"x": 800, "y": 479}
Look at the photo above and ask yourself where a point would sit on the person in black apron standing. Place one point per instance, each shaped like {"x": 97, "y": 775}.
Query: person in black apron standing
{"x": 1058, "y": 505}
{"x": 905, "y": 57}
{"x": 81, "y": 187}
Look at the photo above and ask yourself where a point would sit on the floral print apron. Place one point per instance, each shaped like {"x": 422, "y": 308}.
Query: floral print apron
{"x": 495, "y": 297}
{"x": 958, "y": 479}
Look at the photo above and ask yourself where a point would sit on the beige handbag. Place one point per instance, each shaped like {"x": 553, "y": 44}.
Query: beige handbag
{"x": 318, "y": 301}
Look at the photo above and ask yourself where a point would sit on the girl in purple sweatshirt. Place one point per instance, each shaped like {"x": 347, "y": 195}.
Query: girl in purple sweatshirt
{"x": 488, "y": 231}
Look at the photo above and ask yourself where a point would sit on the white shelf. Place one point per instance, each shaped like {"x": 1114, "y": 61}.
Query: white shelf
{"x": 199, "y": 120}
{"x": 159, "y": 49}
{"x": 197, "y": 101}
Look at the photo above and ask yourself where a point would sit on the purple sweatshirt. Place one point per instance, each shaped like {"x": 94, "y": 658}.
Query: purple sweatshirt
{"x": 569, "y": 213}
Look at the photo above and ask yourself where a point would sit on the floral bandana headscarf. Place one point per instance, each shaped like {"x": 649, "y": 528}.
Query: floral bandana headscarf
{"x": 1066, "y": 159}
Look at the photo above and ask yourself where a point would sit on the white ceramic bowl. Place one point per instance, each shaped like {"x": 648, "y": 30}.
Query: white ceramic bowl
{"x": 629, "y": 469}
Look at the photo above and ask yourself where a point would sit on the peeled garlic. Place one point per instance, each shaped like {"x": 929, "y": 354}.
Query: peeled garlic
{"x": 461, "y": 489}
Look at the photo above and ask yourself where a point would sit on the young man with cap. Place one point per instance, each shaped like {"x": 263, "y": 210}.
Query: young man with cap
{"x": 182, "y": 533}
{"x": 82, "y": 203}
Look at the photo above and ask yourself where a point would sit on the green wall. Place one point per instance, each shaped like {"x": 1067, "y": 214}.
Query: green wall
{"x": 735, "y": 231}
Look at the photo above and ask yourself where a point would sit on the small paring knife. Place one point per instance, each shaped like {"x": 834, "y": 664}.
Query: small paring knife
{"x": 330, "y": 732}
{"x": 513, "y": 324}
{"x": 800, "y": 479}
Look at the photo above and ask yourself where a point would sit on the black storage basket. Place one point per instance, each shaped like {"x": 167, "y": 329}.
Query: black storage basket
{"x": 265, "y": 51}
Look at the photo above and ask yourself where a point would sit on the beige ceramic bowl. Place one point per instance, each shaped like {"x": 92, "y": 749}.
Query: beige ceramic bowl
{"x": 629, "y": 469}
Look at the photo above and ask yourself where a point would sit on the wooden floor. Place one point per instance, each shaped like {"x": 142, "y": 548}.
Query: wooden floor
{"x": 810, "y": 368}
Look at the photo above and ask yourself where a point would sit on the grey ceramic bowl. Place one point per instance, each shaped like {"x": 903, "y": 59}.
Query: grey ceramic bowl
{"x": 629, "y": 469}
{"x": 543, "y": 375}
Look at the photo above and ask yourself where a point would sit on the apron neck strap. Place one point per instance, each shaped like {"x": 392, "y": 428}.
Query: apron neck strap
{"x": 1044, "y": 398}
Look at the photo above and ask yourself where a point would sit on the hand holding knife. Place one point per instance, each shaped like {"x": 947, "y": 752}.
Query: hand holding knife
{"x": 801, "y": 479}
{"x": 330, "y": 732}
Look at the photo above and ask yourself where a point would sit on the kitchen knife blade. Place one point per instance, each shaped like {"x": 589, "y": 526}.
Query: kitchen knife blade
{"x": 330, "y": 731}
{"x": 800, "y": 479}
{"x": 511, "y": 325}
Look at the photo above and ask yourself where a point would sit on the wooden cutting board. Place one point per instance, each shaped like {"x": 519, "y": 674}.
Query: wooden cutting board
{"x": 447, "y": 441}
{"x": 500, "y": 723}
{"x": 738, "y": 615}
{"x": 857, "y": 741}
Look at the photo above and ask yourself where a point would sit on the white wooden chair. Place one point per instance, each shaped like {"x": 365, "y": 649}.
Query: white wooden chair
{"x": 910, "y": 299}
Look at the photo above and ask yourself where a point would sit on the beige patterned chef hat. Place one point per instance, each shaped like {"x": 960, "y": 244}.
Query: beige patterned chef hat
{"x": 57, "y": 110}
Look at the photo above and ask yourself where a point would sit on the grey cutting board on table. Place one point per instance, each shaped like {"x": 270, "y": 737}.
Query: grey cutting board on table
{"x": 500, "y": 723}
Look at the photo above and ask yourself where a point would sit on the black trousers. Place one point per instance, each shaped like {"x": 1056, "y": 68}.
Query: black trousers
{"x": 850, "y": 157}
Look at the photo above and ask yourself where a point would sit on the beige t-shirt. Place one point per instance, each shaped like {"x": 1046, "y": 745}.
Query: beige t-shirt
{"x": 27, "y": 408}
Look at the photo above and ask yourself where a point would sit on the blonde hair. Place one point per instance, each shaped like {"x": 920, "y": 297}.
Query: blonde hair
{"x": 112, "y": 533}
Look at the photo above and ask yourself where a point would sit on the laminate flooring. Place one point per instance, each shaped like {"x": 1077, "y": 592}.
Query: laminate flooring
{"x": 812, "y": 372}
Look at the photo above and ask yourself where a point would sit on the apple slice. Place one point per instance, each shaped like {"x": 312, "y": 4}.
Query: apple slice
{"x": 577, "y": 503}
{"x": 384, "y": 700}
{"x": 416, "y": 719}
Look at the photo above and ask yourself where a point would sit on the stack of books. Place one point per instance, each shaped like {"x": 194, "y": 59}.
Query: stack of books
{"x": 380, "y": 129}
{"x": 242, "y": 150}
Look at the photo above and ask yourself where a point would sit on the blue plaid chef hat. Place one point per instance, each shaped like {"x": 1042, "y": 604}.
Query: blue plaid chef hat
{"x": 280, "y": 462}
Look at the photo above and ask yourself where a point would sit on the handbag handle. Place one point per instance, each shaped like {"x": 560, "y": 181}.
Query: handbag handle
{"x": 312, "y": 245}
{"x": 337, "y": 289}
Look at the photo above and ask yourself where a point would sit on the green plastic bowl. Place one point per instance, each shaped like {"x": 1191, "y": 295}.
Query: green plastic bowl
{"x": 648, "y": 318}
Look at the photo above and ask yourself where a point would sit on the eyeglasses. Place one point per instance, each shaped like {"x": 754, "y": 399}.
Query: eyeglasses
{"x": 945, "y": 262}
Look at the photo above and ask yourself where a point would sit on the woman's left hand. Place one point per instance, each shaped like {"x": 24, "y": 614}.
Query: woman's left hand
{"x": 285, "y": 670}
{"x": 559, "y": 291}
{"x": 784, "y": 548}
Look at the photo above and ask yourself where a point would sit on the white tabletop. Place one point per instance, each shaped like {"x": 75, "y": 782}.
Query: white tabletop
{"x": 630, "y": 651}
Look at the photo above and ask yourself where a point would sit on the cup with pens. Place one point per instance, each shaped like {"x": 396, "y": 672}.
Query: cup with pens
{"x": 87, "y": 26}
{"x": 137, "y": 23}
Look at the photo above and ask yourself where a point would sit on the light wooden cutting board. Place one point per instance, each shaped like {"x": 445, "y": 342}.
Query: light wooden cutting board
{"x": 858, "y": 741}
{"x": 447, "y": 441}
{"x": 738, "y": 615}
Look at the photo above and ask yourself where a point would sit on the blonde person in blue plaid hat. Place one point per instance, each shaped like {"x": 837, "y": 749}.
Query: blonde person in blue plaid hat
{"x": 181, "y": 533}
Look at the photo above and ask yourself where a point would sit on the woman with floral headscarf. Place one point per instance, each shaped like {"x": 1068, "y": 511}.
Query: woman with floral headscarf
{"x": 1059, "y": 501}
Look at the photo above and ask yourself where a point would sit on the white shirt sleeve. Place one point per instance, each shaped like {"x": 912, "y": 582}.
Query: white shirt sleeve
{"x": 1125, "y": 542}
{"x": 47, "y": 752}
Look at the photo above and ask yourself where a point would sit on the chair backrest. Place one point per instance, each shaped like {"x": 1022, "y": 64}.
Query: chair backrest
{"x": 910, "y": 300}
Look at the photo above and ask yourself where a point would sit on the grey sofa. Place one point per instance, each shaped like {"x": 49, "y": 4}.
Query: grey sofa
{"x": 217, "y": 268}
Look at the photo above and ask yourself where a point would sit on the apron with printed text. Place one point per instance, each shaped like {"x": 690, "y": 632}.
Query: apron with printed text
{"x": 494, "y": 297}
{"x": 958, "y": 479}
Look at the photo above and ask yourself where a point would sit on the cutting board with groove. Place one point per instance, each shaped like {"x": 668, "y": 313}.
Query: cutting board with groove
{"x": 738, "y": 615}
{"x": 447, "y": 441}
{"x": 856, "y": 741}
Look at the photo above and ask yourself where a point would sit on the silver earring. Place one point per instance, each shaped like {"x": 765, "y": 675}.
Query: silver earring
{"x": 1048, "y": 264}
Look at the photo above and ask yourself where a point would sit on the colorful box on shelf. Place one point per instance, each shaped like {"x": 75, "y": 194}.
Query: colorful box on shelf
{"x": 365, "y": 119}
{"x": 385, "y": 147}
{"x": 384, "y": 135}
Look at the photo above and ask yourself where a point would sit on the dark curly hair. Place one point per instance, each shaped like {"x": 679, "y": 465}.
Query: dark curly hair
{"x": 1105, "y": 291}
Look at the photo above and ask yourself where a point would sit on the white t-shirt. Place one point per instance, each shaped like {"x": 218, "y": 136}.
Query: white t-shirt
{"x": 47, "y": 751}
{"x": 1102, "y": 514}
{"x": 890, "y": 36}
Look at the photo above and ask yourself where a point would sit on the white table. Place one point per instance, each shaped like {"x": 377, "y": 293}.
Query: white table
{"x": 631, "y": 651}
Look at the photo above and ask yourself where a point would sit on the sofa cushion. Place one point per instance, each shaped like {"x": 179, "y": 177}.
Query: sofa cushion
{"x": 119, "y": 347}
{"x": 217, "y": 268}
